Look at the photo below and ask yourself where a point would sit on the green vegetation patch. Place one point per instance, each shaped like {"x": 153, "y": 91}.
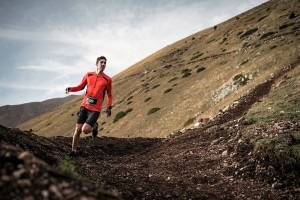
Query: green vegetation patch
{"x": 267, "y": 35}
{"x": 197, "y": 56}
{"x": 66, "y": 167}
{"x": 121, "y": 114}
{"x": 285, "y": 26}
{"x": 153, "y": 110}
{"x": 189, "y": 121}
{"x": 249, "y": 32}
{"x": 147, "y": 99}
{"x": 168, "y": 90}
{"x": 155, "y": 86}
{"x": 281, "y": 152}
{"x": 200, "y": 69}
{"x": 240, "y": 80}
{"x": 173, "y": 79}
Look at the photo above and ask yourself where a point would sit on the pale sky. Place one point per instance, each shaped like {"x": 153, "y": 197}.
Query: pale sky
{"x": 47, "y": 45}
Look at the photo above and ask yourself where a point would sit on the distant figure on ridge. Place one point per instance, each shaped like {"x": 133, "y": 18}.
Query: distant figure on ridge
{"x": 98, "y": 84}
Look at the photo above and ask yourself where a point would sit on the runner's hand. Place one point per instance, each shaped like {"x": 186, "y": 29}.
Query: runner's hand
{"x": 68, "y": 90}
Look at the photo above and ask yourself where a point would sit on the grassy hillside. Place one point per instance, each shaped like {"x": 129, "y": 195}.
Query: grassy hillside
{"x": 14, "y": 115}
{"x": 199, "y": 77}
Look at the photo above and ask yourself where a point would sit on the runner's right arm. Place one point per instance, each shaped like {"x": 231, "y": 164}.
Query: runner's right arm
{"x": 79, "y": 87}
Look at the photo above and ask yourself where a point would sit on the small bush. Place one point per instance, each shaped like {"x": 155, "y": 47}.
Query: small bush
{"x": 186, "y": 74}
{"x": 285, "y": 26}
{"x": 155, "y": 86}
{"x": 282, "y": 152}
{"x": 189, "y": 121}
{"x": 200, "y": 69}
{"x": 240, "y": 80}
{"x": 153, "y": 110}
{"x": 292, "y": 15}
{"x": 224, "y": 39}
{"x": 128, "y": 110}
{"x": 266, "y": 35}
{"x": 129, "y": 98}
{"x": 66, "y": 167}
{"x": 244, "y": 62}
{"x": 197, "y": 56}
{"x": 183, "y": 71}
{"x": 147, "y": 99}
{"x": 249, "y": 32}
{"x": 262, "y": 18}
{"x": 168, "y": 90}
{"x": 172, "y": 79}
{"x": 119, "y": 115}
{"x": 273, "y": 47}
{"x": 239, "y": 33}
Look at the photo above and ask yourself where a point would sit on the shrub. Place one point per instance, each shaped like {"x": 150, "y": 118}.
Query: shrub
{"x": 172, "y": 79}
{"x": 262, "y": 18}
{"x": 244, "y": 62}
{"x": 168, "y": 90}
{"x": 155, "y": 86}
{"x": 282, "y": 152}
{"x": 197, "y": 56}
{"x": 240, "y": 80}
{"x": 273, "y": 47}
{"x": 292, "y": 15}
{"x": 147, "y": 99}
{"x": 153, "y": 110}
{"x": 119, "y": 115}
{"x": 66, "y": 167}
{"x": 186, "y": 74}
{"x": 200, "y": 69}
{"x": 239, "y": 33}
{"x": 285, "y": 26}
{"x": 224, "y": 39}
{"x": 189, "y": 121}
{"x": 266, "y": 35}
{"x": 183, "y": 71}
{"x": 128, "y": 110}
{"x": 249, "y": 32}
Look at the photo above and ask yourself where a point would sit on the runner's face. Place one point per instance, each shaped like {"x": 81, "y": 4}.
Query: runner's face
{"x": 101, "y": 65}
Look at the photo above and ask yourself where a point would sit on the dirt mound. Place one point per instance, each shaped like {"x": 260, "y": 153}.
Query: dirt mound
{"x": 218, "y": 162}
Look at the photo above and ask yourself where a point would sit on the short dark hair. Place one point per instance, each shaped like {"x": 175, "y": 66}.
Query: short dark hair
{"x": 100, "y": 58}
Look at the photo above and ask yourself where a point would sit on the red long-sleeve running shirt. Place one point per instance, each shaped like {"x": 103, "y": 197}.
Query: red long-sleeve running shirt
{"x": 97, "y": 87}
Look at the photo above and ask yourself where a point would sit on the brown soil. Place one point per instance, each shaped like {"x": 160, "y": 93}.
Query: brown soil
{"x": 216, "y": 162}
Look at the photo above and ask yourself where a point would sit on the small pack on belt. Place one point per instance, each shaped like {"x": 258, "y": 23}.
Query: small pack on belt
{"x": 91, "y": 101}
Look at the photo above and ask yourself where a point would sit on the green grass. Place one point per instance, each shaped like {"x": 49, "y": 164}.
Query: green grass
{"x": 67, "y": 168}
{"x": 168, "y": 90}
{"x": 153, "y": 110}
{"x": 189, "y": 122}
{"x": 249, "y": 32}
{"x": 282, "y": 152}
{"x": 121, "y": 114}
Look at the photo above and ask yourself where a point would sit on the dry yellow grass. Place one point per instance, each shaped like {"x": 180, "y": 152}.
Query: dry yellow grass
{"x": 223, "y": 54}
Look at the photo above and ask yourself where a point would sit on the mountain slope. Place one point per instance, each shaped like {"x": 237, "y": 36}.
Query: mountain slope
{"x": 196, "y": 77}
{"x": 233, "y": 160}
{"x": 14, "y": 115}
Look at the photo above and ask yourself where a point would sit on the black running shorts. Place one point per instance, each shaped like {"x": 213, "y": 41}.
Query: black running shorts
{"x": 87, "y": 116}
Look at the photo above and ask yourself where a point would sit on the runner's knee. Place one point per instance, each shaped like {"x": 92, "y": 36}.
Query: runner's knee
{"x": 86, "y": 129}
